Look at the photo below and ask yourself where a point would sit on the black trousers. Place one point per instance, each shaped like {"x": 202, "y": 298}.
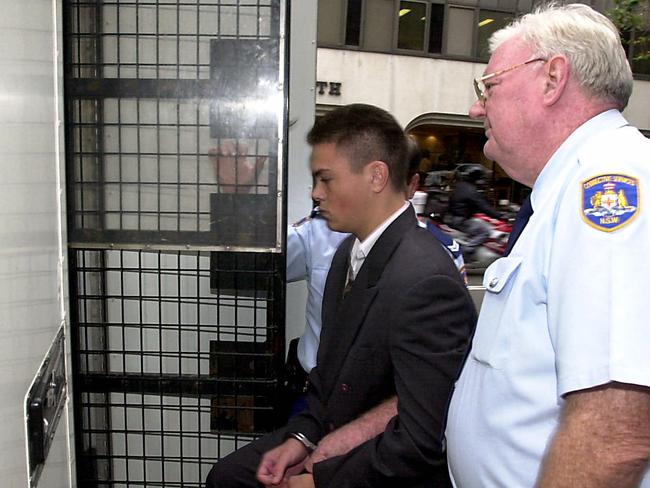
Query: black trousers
{"x": 237, "y": 470}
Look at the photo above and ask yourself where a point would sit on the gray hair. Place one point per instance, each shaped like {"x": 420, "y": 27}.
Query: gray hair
{"x": 587, "y": 38}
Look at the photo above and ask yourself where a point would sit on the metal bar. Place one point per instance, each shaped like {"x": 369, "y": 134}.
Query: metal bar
{"x": 142, "y": 88}
{"x": 156, "y": 240}
{"x": 168, "y": 385}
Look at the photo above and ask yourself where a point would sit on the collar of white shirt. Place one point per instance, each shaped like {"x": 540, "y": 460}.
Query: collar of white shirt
{"x": 545, "y": 189}
{"x": 361, "y": 249}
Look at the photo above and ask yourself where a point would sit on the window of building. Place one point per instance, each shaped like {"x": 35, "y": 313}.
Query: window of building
{"x": 378, "y": 25}
{"x": 353, "y": 22}
{"x": 412, "y": 21}
{"x": 330, "y": 22}
{"x": 460, "y": 25}
{"x": 489, "y": 22}
{"x": 436, "y": 22}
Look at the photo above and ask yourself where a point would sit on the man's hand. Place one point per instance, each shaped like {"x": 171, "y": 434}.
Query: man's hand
{"x": 353, "y": 434}
{"x": 280, "y": 463}
{"x": 235, "y": 173}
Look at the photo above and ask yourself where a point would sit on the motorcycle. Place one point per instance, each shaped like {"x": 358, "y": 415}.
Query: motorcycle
{"x": 491, "y": 249}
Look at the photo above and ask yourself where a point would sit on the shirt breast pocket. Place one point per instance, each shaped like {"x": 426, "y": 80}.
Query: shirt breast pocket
{"x": 492, "y": 338}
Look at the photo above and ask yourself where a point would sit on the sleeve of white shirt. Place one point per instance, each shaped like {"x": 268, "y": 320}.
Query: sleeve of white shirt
{"x": 298, "y": 251}
{"x": 597, "y": 295}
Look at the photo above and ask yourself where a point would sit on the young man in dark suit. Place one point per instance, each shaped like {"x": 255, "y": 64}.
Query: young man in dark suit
{"x": 397, "y": 320}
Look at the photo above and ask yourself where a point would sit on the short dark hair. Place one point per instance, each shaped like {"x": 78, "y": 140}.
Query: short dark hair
{"x": 365, "y": 133}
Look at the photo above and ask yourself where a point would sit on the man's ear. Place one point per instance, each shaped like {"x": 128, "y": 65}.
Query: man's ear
{"x": 557, "y": 76}
{"x": 379, "y": 175}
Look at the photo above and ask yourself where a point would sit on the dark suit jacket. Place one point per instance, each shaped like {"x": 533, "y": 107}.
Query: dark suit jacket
{"x": 404, "y": 328}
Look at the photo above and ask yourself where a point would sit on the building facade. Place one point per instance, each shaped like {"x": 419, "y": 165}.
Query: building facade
{"x": 417, "y": 59}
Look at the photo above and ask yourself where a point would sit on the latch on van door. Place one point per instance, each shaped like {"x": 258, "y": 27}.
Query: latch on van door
{"x": 44, "y": 405}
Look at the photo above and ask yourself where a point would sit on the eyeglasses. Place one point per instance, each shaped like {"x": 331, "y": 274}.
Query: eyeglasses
{"x": 479, "y": 83}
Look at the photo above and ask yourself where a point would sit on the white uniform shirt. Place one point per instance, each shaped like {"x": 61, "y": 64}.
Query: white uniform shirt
{"x": 565, "y": 311}
{"x": 310, "y": 248}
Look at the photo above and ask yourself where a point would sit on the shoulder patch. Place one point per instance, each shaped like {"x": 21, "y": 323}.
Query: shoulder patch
{"x": 610, "y": 201}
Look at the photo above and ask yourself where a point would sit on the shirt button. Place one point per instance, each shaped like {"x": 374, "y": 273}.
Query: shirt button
{"x": 345, "y": 388}
{"x": 494, "y": 282}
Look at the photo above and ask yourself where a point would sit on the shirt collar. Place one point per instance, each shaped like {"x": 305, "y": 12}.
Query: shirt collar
{"x": 360, "y": 250}
{"x": 559, "y": 163}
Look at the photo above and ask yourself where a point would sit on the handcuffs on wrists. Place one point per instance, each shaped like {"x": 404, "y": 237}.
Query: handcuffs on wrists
{"x": 300, "y": 437}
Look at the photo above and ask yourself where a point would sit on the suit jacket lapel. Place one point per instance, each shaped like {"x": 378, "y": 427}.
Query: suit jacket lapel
{"x": 342, "y": 317}
{"x": 387, "y": 243}
{"x": 335, "y": 283}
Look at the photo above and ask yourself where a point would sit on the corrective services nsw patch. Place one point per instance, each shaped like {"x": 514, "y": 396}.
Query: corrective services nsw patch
{"x": 610, "y": 201}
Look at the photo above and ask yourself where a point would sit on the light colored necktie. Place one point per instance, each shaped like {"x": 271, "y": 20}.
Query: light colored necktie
{"x": 350, "y": 279}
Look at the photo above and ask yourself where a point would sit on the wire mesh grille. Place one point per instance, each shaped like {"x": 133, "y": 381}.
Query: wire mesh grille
{"x": 155, "y": 91}
{"x": 173, "y": 370}
{"x": 150, "y": 302}
{"x": 174, "y": 116}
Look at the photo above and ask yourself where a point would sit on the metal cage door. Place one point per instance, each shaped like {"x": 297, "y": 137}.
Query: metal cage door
{"x": 175, "y": 129}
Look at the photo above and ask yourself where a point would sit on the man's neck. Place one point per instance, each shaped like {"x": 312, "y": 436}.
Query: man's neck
{"x": 562, "y": 121}
{"x": 381, "y": 210}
